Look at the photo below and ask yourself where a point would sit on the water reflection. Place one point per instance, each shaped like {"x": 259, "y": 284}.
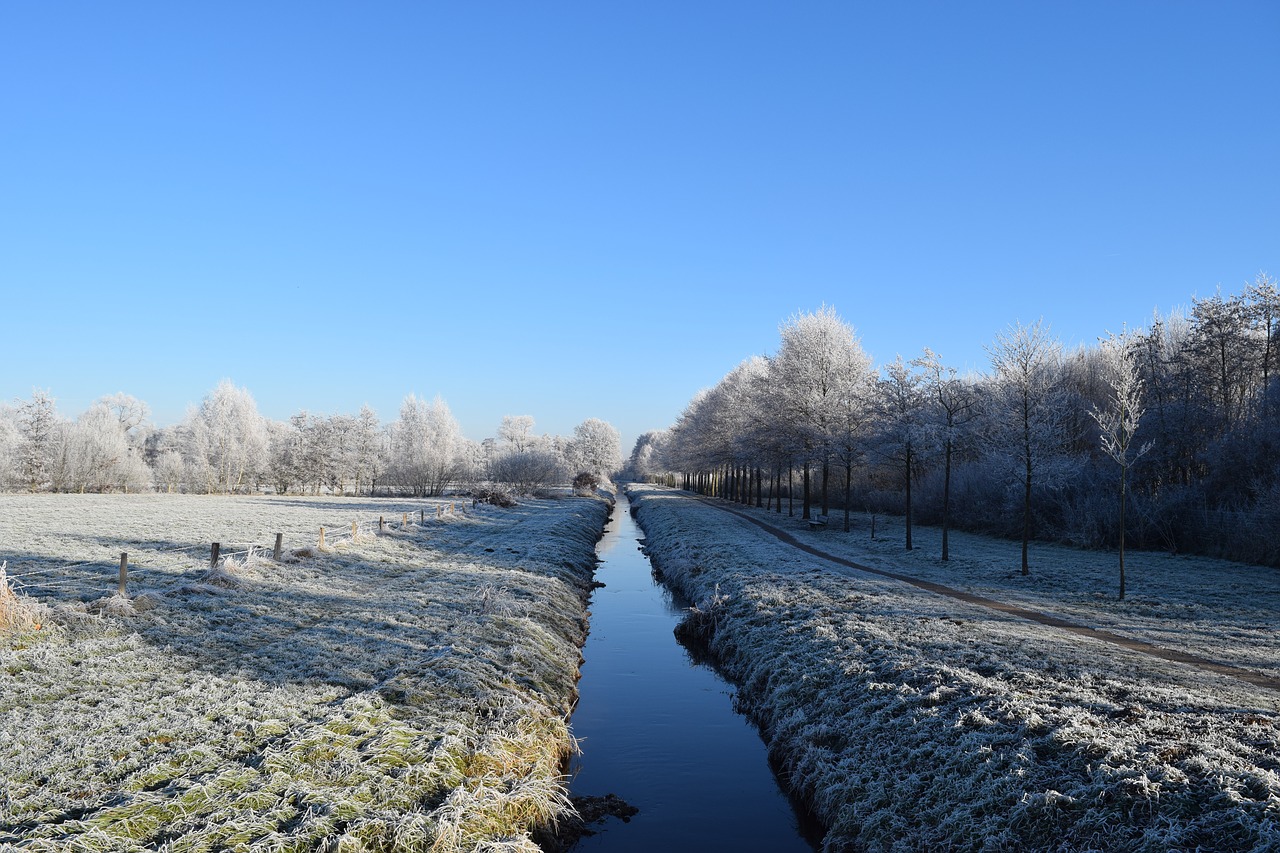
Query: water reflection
{"x": 660, "y": 731}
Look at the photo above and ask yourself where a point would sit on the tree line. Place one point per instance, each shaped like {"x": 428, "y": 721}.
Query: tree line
{"x": 226, "y": 446}
{"x": 1165, "y": 437}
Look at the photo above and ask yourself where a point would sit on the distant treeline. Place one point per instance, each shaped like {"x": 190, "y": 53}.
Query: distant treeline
{"x": 226, "y": 446}
{"x": 1184, "y": 416}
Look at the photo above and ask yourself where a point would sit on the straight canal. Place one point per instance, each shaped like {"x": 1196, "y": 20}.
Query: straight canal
{"x": 660, "y": 731}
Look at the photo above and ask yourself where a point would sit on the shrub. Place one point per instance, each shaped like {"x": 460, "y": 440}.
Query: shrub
{"x": 585, "y": 483}
{"x": 496, "y": 495}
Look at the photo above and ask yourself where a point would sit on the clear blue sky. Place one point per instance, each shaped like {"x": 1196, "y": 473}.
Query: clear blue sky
{"x": 595, "y": 209}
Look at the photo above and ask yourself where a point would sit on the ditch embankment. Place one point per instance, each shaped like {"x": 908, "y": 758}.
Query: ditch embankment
{"x": 907, "y": 720}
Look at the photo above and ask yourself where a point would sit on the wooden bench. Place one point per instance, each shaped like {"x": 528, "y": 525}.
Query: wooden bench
{"x": 818, "y": 522}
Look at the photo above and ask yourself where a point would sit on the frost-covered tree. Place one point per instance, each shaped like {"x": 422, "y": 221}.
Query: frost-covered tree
{"x": 37, "y": 424}
{"x": 1263, "y": 309}
{"x": 1222, "y": 345}
{"x": 1029, "y": 419}
{"x": 900, "y": 397}
{"x": 226, "y": 439}
{"x": 648, "y": 456}
{"x": 953, "y": 410}
{"x": 818, "y": 350}
{"x": 596, "y": 448}
{"x": 95, "y": 454}
{"x": 855, "y": 411}
{"x": 428, "y": 452}
{"x": 10, "y": 448}
{"x": 516, "y": 432}
{"x": 283, "y": 468}
{"x": 529, "y": 470}
{"x": 368, "y": 454}
{"x": 1118, "y": 420}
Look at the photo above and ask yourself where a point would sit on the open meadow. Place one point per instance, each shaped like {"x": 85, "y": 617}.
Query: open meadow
{"x": 910, "y": 721}
{"x": 406, "y": 689}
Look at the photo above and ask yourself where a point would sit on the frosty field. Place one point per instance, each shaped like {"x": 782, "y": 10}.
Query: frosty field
{"x": 910, "y": 721}
{"x": 404, "y": 690}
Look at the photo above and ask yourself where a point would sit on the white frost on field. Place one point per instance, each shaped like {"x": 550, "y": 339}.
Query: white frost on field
{"x": 408, "y": 689}
{"x": 1223, "y": 611}
{"x": 912, "y": 721}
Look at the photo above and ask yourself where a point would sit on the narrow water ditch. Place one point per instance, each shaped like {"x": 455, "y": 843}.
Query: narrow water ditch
{"x": 660, "y": 731}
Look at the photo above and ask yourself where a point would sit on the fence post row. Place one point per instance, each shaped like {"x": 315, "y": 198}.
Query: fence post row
{"x": 215, "y": 549}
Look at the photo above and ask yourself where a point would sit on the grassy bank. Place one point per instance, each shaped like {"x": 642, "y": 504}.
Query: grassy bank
{"x": 406, "y": 690}
{"x": 914, "y": 722}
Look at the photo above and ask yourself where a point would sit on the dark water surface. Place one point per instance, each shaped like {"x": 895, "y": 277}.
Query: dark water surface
{"x": 660, "y": 731}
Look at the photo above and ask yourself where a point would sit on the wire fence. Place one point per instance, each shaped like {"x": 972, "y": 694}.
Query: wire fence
{"x": 40, "y": 581}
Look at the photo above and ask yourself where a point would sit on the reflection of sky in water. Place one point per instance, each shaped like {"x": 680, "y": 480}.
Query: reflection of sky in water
{"x": 661, "y": 732}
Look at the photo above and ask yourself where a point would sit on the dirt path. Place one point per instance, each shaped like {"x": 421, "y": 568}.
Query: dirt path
{"x": 1255, "y": 678}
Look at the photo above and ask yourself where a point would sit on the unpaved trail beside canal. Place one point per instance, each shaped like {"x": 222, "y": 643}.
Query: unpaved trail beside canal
{"x": 912, "y": 721}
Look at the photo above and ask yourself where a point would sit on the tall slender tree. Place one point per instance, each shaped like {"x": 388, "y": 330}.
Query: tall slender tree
{"x": 954, "y": 411}
{"x": 1025, "y": 359}
{"x": 1118, "y": 420}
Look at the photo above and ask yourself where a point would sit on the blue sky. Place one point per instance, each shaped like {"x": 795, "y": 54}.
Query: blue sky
{"x": 594, "y": 210}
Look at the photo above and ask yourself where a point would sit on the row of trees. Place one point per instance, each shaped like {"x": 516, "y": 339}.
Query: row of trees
{"x": 1167, "y": 436}
{"x": 225, "y": 446}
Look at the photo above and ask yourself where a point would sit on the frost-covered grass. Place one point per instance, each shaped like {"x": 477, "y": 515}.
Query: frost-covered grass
{"x": 403, "y": 691}
{"x": 911, "y": 721}
{"x": 1223, "y": 611}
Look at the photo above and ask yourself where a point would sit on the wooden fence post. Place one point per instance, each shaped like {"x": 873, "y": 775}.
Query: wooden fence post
{"x": 275, "y": 554}
{"x": 124, "y": 574}
{"x": 353, "y": 530}
{"x": 213, "y": 555}
{"x": 379, "y": 524}
{"x": 321, "y": 537}
{"x": 422, "y": 516}
{"x": 404, "y": 522}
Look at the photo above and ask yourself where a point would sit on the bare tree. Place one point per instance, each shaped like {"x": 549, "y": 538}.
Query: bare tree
{"x": 517, "y": 431}
{"x": 954, "y": 410}
{"x": 1024, "y": 359}
{"x": 901, "y": 402}
{"x": 1118, "y": 420}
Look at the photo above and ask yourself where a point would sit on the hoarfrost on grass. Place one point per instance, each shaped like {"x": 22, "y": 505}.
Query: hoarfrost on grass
{"x": 912, "y": 721}
{"x": 407, "y": 690}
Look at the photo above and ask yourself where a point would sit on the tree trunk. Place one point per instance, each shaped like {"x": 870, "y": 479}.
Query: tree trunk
{"x": 1026, "y": 518}
{"x": 848, "y": 490}
{"x": 791, "y": 501}
{"x": 946, "y": 502}
{"x": 826, "y": 470}
{"x": 807, "y": 498}
{"x": 908, "y": 455}
{"x": 1123, "y": 489}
